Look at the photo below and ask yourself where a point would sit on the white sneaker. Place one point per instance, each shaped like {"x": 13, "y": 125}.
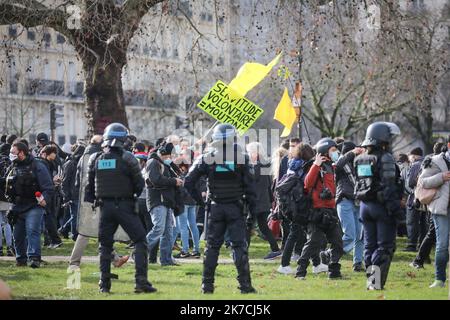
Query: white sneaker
{"x": 320, "y": 268}
{"x": 438, "y": 284}
{"x": 295, "y": 257}
{"x": 285, "y": 270}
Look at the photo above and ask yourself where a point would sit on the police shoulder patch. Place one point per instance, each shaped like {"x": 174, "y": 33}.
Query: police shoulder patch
{"x": 364, "y": 170}
{"x": 227, "y": 167}
{"x": 106, "y": 164}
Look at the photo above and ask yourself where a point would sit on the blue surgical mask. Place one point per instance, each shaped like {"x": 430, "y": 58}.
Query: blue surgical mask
{"x": 168, "y": 162}
{"x": 334, "y": 156}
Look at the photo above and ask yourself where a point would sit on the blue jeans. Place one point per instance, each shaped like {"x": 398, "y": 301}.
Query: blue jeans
{"x": 441, "y": 224}
{"x": 162, "y": 230}
{"x": 27, "y": 234}
{"x": 189, "y": 217}
{"x": 351, "y": 226}
{"x": 72, "y": 222}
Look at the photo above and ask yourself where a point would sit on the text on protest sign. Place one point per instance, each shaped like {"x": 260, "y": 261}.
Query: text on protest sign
{"x": 227, "y": 106}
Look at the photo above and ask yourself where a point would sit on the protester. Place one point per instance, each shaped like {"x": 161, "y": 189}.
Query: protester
{"x": 26, "y": 177}
{"x": 161, "y": 186}
{"x": 347, "y": 209}
{"x": 423, "y": 255}
{"x": 298, "y": 213}
{"x": 436, "y": 175}
{"x": 320, "y": 183}
{"x": 48, "y": 155}
{"x": 260, "y": 167}
{"x": 416, "y": 216}
{"x": 70, "y": 192}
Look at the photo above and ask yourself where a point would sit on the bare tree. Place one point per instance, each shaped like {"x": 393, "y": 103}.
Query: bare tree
{"x": 100, "y": 35}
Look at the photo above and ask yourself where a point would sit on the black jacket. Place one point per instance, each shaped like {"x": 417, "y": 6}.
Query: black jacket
{"x": 411, "y": 180}
{"x": 160, "y": 183}
{"x": 134, "y": 173}
{"x": 90, "y": 149}
{"x": 263, "y": 184}
{"x": 201, "y": 167}
{"x": 70, "y": 193}
{"x": 345, "y": 177}
{"x": 43, "y": 178}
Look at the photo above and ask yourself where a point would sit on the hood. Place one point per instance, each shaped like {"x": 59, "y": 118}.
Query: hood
{"x": 295, "y": 164}
{"x": 92, "y": 148}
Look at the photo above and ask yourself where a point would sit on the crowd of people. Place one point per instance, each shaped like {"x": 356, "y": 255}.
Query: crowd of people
{"x": 311, "y": 203}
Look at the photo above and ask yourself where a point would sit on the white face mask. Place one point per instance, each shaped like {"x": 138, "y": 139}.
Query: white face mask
{"x": 12, "y": 156}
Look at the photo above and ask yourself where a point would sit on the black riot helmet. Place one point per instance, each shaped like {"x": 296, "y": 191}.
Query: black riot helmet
{"x": 323, "y": 145}
{"x": 224, "y": 132}
{"x": 379, "y": 133}
{"x": 115, "y": 135}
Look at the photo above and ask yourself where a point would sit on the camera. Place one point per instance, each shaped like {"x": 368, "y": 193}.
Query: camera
{"x": 325, "y": 194}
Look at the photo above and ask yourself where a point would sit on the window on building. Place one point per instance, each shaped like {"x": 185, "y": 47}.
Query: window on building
{"x": 60, "y": 39}
{"x": 12, "y": 31}
{"x": 47, "y": 39}
{"x": 46, "y": 71}
{"x": 31, "y": 35}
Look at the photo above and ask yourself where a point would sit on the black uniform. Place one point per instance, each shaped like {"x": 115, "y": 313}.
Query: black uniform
{"x": 228, "y": 180}
{"x": 379, "y": 189}
{"x": 114, "y": 178}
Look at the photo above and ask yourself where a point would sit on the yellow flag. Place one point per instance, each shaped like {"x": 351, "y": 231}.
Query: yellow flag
{"x": 285, "y": 113}
{"x": 250, "y": 74}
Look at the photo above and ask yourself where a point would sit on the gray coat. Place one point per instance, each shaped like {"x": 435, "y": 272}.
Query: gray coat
{"x": 432, "y": 178}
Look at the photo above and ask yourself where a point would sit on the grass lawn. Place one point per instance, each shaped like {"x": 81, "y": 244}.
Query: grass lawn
{"x": 183, "y": 282}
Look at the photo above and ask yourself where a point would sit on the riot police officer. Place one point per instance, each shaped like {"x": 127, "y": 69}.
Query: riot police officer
{"x": 114, "y": 180}
{"x": 379, "y": 189}
{"x": 227, "y": 171}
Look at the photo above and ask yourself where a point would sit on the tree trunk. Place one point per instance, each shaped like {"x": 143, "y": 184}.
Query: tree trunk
{"x": 104, "y": 96}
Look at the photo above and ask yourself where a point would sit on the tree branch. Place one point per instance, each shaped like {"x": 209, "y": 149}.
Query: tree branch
{"x": 31, "y": 13}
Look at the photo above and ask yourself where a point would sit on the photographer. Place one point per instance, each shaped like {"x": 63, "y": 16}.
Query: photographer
{"x": 320, "y": 184}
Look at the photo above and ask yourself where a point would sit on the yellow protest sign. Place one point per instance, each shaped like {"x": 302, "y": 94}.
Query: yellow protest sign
{"x": 227, "y": 106}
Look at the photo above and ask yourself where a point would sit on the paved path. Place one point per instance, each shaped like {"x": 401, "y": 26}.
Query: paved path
{"x": 95, "y": 259}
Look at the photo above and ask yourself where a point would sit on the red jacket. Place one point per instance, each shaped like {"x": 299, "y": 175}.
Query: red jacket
{"x": 314, "y": 183}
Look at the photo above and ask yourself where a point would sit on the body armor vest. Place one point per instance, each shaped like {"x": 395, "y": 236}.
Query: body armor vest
{"x": 367, "y": 177}
{"x": 225, "y": 182}
{"x": 112, "y": 178}
{"x": 22, "y": 184}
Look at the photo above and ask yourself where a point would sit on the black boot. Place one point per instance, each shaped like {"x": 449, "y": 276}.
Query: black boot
{"x": 334, "y": 271}
{"x": 144, "y": 287}
{"x": 104, "y": 286}
{"x": 246, "y": 288}
{"x": 207, "y": 288}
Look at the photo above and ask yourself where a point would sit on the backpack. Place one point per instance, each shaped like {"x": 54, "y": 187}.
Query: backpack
{"x": 422, "y": 195}
{"x": 292, "y": 201}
